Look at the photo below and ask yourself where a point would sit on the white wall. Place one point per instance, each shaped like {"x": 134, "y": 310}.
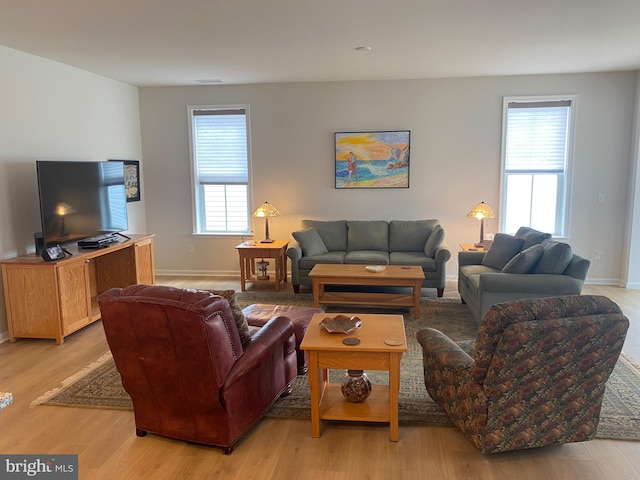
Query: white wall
{"x": 455, "y": 159}
{"x": 52, "y": 111}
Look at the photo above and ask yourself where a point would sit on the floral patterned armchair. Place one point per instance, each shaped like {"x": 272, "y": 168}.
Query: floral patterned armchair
{"x": 537, "y": 375}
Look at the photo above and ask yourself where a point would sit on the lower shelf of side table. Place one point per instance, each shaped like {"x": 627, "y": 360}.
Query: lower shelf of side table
{"x": 375, "y": 409}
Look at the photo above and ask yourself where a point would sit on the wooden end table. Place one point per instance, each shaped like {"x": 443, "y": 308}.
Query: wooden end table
{"x": 249, "y": 251}
{"x": 326, "y": 351}
{"x": 348, "y": 274}
{"x": 470, "y": 247}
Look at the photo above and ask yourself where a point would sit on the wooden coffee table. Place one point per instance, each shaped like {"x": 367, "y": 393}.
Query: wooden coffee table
{"x": 391, "y": 276}
{"x": 326, "y": 351}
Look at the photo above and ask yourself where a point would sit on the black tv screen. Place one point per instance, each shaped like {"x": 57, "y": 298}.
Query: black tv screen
{"x": 81, "y": 200}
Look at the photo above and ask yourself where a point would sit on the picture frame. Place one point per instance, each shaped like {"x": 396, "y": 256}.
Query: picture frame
{"x": 375, "y": 159}
{"x": 131, "y": 179}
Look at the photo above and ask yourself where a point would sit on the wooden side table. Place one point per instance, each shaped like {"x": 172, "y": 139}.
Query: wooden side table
{"x": 326, "y": 351}
{"x": 250, "y": 251}
{"x": 470, "y": 247}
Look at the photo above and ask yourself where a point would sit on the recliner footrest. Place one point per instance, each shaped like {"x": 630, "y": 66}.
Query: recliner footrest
{"x": 258, "y": 314}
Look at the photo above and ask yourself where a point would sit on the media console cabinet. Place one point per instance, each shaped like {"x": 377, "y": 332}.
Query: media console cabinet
{"x": 55, "y": 299}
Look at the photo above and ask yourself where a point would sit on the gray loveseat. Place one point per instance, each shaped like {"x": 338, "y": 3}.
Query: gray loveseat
{"x": 370, "y": 242}
{"x": 527, "y": 265}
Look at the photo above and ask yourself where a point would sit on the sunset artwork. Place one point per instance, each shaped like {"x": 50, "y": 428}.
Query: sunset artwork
{"x": 372, "y": 159}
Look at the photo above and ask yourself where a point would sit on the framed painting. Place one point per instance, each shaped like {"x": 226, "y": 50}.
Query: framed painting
{"x": 372, "y": 159}
{"x": 131, "y": 179}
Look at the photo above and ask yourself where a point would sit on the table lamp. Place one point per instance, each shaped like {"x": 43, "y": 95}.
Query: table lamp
{"x": 480, "y": 212}
{"x": 266, "y": 210}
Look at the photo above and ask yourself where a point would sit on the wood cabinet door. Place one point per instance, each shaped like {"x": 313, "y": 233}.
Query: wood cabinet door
{"x": 31, "y": 299}
{"x": 75, "y": 295}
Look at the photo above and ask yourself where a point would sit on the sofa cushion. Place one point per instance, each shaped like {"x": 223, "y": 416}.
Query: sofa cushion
{"x": 238, "y": 316}
{"x": 434, "y": 241}
{"x": 428, "y": 264}
{"x": 307, "y": 263}
{"x": 310, "y": 241}
{"x": 524, "y": 261}
{"x": 531, "y": 237}
{"x": 332, "y": 232}
{"x": 368, "y": 235}
{"x": 409, "y": 235}
{"x": 555, "y": 258}
{"x": 503, "y": 249}
{"x": 367, "y": 257}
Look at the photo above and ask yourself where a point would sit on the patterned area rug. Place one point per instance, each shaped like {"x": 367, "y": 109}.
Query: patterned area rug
{"x": 98, "y": 385}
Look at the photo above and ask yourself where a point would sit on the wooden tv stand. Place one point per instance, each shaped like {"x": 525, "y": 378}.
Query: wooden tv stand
{"x": 55, "y": 299}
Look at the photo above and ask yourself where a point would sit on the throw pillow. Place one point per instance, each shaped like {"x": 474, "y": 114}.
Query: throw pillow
{"x": 525, "y": 260}
{"x": 238, "y": 316}
{"x": 503, "y": 249}
{"x": 531, "y": 237}
{"x": 310, "y": 242}
{"x": 555, "y": 258}
{"x": 434, "y": 241}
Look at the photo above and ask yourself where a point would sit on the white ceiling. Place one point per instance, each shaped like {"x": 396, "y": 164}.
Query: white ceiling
{"x": 177, "y": 42}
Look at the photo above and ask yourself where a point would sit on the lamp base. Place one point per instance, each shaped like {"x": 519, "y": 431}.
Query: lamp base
{"x": 479, "y": 244}
{"x": 266, "y": 240}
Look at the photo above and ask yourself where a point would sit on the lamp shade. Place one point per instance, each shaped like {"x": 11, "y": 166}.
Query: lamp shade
{"x": 481, "y": 211}
{"x": 266, "y": 210}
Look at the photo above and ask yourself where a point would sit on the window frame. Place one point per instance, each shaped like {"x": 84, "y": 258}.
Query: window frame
{"x": 198, "y": 213}
{"x": 563, "y": 206}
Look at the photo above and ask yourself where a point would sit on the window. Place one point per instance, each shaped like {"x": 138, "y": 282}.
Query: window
{"x": 220, "y": 162}
{"x": 535, "y": 163}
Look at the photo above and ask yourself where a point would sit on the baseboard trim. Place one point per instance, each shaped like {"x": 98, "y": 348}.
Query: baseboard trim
{"x": 604, "y": 281}
{"x": 197, "y": 273}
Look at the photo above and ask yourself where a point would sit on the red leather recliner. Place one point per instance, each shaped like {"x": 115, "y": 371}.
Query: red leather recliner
{"x": 181, "y": 361}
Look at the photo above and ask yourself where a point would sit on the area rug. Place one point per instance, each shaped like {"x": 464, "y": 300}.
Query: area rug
{"x": 98, "y": 385}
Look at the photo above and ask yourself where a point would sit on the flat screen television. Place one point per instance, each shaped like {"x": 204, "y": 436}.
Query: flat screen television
{"x": 81, "y": 200}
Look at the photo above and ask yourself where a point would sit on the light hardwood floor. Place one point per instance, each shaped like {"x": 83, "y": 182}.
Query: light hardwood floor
{"x": 276, "y": 448}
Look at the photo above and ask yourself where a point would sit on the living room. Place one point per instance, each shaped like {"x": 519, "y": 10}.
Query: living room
{"x": 55, "y": 111}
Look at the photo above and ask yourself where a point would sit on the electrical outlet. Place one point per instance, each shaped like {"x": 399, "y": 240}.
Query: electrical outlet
{"x": 190, "y": 248}
{"x": 597, "y": 254}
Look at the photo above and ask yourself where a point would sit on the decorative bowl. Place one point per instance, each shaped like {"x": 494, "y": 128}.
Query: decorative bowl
{"x": 375, "y": 268}
{"x": 340, "y": 324}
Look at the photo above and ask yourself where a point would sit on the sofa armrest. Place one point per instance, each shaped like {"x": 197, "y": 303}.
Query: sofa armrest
{"x": 275, "y": 332}
{"x": 294, "y": 252}
{"x": 442, "y": 255}
{"x": 530, "y": 283}
{"x": 470, "y": 258}
{"x": 439, "y": 351}
{"x": 578, "y": 267}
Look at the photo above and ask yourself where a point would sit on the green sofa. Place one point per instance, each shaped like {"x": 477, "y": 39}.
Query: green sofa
{"x": 528, "y": 264}
{"x": 370, "y": 242}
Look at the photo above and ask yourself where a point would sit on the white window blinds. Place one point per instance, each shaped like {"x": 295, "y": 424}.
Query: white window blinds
{"x": 537, "y": 135}
{"x": 221, "y": 146}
